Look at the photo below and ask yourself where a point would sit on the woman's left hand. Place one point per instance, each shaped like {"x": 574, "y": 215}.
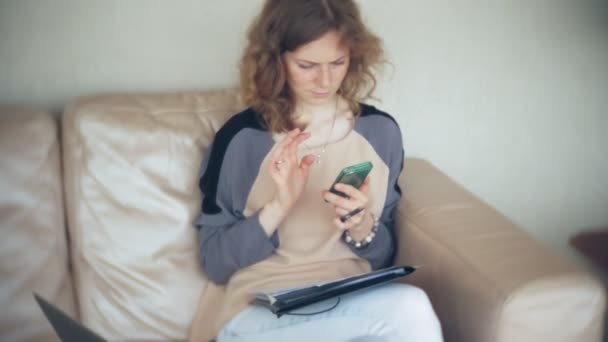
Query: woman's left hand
{"x": 357, "y": 198}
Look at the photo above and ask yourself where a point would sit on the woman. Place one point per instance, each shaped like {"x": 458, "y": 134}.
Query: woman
{"x": 268, "y": 219}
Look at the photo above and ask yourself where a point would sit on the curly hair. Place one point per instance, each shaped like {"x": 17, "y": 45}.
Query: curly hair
{"x": 285, "y": 25}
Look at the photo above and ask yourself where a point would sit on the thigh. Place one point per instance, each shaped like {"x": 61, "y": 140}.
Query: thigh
{"x": 405, "y": 308}
{"x": 375, "y": 314}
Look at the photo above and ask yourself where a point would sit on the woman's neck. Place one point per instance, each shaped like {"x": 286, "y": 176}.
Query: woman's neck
{"x": 307, "y": 114}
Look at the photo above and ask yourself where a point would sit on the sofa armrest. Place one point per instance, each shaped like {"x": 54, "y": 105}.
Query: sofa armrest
{"x": 486, "y": 278}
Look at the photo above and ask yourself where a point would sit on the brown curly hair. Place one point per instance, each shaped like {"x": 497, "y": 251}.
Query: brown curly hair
{"x": 285, "y": 25}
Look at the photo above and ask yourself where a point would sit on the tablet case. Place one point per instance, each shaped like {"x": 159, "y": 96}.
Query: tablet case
{"x": 281, "y": 302}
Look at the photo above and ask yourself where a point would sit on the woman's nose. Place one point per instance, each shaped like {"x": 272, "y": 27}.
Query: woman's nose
{"x": 324, "y": 77}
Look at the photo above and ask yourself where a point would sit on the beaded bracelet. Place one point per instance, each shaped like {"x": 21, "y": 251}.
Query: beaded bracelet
{"x": 367, "y": 240}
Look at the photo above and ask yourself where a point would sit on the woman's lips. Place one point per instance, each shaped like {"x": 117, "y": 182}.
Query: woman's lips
{"x": 322, "y": 94}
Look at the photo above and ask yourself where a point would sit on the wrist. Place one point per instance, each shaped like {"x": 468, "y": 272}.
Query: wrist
{"x": 276, "y": 208}
{"x": 271, "y": 215}
{"x": 362, "y": 237}
{"x": 363, "y": 229}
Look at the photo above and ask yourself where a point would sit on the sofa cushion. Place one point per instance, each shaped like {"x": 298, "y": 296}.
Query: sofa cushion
{"x": 33, "y": 248}
{"x": 131, "y": 174}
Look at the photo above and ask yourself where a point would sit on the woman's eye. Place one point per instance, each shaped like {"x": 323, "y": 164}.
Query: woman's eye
{"x": 305, "y": 66}
{"x": 337, "y": 63}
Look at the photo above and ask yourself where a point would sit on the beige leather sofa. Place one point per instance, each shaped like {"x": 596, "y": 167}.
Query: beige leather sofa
{"x": 96, "y": 213}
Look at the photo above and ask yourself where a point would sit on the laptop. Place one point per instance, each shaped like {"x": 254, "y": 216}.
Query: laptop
{"x": 68, "y": 329}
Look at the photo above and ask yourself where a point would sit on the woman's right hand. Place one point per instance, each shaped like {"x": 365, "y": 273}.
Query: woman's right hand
{"x": 289, "y": 174}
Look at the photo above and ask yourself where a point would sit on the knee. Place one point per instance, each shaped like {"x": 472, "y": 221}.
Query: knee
{"x": 417, "y": 298}
{"x": 412, "y": 301}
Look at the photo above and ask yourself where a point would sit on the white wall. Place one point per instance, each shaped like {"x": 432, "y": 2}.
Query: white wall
{"x": 509, "y": 98}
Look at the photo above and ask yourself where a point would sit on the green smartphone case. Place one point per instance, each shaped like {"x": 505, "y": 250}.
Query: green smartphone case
{"x": 353, "y": 175}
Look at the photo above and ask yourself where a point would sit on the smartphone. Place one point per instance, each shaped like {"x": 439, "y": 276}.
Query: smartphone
{"x": 353, "y": 175}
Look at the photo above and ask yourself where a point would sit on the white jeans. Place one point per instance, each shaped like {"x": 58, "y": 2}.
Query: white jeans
{"x": 389, "y": 312}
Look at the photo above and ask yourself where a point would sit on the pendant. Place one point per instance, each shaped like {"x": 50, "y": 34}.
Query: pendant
{"x": 319, "y": 155}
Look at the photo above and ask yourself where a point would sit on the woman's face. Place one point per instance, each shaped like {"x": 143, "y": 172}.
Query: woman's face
{"x": 315, "y": 70}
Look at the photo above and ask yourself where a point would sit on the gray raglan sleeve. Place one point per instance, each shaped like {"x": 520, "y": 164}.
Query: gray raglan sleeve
{"x": 381, "y": 251}
{"x": 229, "y": 241}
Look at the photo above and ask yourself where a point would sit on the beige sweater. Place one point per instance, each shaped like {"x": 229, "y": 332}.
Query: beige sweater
{"x": 311, "y": 249}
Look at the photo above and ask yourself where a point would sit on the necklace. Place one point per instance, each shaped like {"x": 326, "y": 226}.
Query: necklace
{"x": 319, "y": 153}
